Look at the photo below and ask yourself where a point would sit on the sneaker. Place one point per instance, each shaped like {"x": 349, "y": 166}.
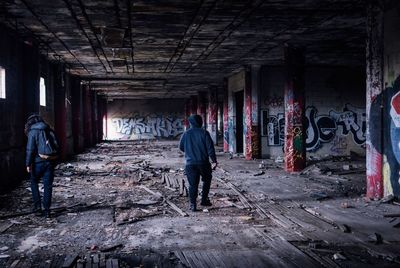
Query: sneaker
{"x": 193, "y": 207}
{"x": 206, "y": 203}
{"x": 37, "y": 211}
{"x": 47, "y": 214}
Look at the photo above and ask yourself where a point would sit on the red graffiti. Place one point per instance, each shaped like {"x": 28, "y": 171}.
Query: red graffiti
{"x": 374, "y": 173}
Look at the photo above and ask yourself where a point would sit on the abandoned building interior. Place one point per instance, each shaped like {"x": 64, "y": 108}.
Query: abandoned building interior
{"x": 301, "y": 99}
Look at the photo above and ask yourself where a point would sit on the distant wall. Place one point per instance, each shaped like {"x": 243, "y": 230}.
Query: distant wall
{"x": 145, "y": 119}
{"x": 335, "y": 114}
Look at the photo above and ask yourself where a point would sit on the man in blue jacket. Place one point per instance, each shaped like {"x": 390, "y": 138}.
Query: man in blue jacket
{"x": 38, "y": 165}
{"x": 198, "y": 147}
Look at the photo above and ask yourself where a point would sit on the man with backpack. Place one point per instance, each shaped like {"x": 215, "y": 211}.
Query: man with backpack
{"x": 41, "y": 151}
{"x": 198, "y": 147}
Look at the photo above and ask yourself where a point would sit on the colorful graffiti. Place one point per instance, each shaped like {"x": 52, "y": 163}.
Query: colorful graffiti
{"x": 273, "y": 127}
{"x": 148, "y": 127}
{"x": 320, "y": 129}
{"x": 387, "y": 159}
{"x": 323, "y": 128}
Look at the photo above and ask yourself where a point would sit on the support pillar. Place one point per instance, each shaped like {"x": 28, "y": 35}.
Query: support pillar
{"x": 252, "y": 135}
{"x": 374, "y": 83}
{"x": 60, "y": 111}
{"x": 193, "y": 104}
{"x": 87, "y": 117}
{"x": 188, "y": 109}
{"x": 295, "y": 149}
{"x": 225, "y": 116}
{"x": 201, "y": 106}
{"x": 212, "y": 113}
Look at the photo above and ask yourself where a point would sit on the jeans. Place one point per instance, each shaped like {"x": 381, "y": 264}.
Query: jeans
{"x": 44, "y": 170}
{"x": 193, "y": 173}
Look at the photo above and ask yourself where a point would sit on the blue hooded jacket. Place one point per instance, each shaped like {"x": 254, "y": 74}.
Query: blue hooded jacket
{"x": 32, "y": 155}
{"x": 197, "y": 144}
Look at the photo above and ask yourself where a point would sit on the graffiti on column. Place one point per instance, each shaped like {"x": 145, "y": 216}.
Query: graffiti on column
{"x": 390, "y": 156}
{"x": 148, "y": 127}
{"x": 320, "y": 128}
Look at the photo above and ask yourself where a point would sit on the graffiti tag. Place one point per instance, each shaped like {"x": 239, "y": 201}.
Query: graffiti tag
{"x": 152, "y": 126}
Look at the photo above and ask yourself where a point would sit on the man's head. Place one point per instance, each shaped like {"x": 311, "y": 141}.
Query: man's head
{"x": 195, "y": 120}
{"x": 32, "y": 119}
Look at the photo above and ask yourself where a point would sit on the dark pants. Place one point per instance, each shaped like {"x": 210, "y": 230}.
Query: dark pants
{"x": 44, "y": 170}
{"x": 193, "y": 173}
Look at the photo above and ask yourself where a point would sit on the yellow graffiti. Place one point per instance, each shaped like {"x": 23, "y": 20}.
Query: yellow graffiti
{"x": 387, "y": 185}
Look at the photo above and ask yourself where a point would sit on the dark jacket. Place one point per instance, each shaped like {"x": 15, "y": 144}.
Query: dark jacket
{"x": 197, "y": 143}
{"x": 32, "y": 155}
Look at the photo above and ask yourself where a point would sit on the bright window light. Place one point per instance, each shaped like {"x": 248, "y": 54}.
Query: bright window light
{"x": 2, "y": 83}
{"x": 42, "y": 92}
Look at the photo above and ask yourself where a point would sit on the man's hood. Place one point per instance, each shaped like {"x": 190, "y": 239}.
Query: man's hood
{"x": 195, "y": 121}
{"x": 39, "y": 126}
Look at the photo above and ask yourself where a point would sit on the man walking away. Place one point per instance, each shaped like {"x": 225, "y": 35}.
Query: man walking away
{"x": 41, "y": 151}
{"x": 198, "y": 147}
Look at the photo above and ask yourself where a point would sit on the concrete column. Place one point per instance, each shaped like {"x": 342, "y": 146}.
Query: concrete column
{"x": 225, "y": 116}
{"x": 188, "y": 109}
{"x": 193, "y": 104}
{"x": 201, "y": 106}
{"x": 252, "y": 134}
{"x": 76, "y": 106}
{"x": 374, "y": 83}
{"x": 212, "y": 117}
{"x": 295, "y": 149}
{"x": 60, "y": 111}
{"x": 87, "y": 117}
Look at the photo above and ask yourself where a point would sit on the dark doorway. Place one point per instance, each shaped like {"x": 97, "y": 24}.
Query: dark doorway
{"x": 239, "y": 99}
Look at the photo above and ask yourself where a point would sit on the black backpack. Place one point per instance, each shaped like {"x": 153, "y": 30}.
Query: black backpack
{"x": 48, "y": 147}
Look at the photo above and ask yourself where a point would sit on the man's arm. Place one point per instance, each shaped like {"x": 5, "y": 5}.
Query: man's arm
{"x": 210, "y": 148}
{"x": 30, "y": 150}
{"x": 182, "y": 143}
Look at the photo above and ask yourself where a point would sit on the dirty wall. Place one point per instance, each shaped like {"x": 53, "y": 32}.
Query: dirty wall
{"x": 335, "y": 111}
{"x": 144, "y": 119}
{"x": 390, "y": 100}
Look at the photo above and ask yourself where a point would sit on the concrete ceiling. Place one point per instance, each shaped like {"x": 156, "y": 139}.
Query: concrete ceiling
{"x": 170, "y": 48}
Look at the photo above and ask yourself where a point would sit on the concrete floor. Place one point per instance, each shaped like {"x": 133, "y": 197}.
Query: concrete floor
{"x": 111, "y": 203}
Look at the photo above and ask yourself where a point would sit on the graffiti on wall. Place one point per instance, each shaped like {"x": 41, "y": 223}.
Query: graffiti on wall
{"x": 320, "y": 129}
{"x": 148, "y": 126}
{"x": 324, "y": 128}
{"x": 273, "y": 127}
{"x": 390, "y": 98}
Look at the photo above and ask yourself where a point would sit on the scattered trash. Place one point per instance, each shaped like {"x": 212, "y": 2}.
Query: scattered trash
{"x": 377, "y": 238}
{"x": 345, "y": 228}
{"x": 346, "y": 167}
{"x": 279, "y": 160}
{"x": 319, "y": 196}
{"x": 387, "y": 199}
{"x": 259, "y": 173}
{"x": 339, "y": 256}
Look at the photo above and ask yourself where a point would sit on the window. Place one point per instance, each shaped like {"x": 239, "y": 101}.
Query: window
{"x": 2, "y": 83}
{"x": 42, "y": 92}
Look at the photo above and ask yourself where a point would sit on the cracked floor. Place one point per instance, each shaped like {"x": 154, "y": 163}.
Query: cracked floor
{"x": 123, "y": 204}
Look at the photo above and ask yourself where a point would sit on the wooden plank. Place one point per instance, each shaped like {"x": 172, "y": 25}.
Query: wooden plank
{"x": 293, "y": 256}
{"x": 176, "y": 208}
{"x": 69, "y": 261}
{"x": 102, "y": 261}
{"x": 115, "y": 263}
{"x": 182, "y": 258}
{"x": 328, "y": 263}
